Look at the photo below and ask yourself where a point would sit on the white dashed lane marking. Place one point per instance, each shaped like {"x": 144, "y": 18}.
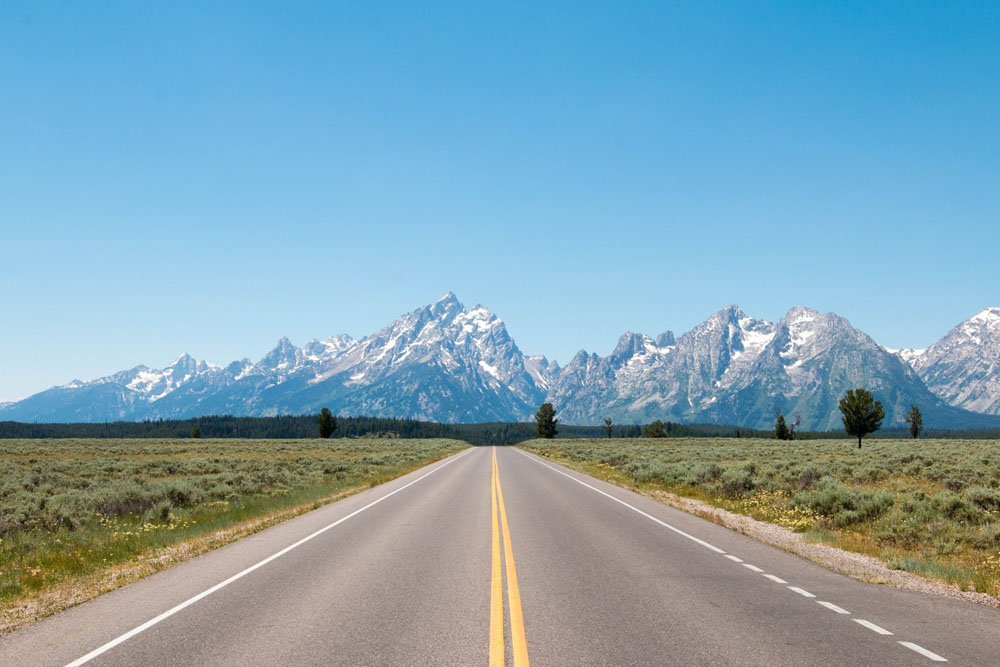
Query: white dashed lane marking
{"x": 871, "y": 626}
{"x": 833, "y": 607}
{"x": 777, "y": 580}
{"x": 733, "y": 558}
{"x": 801, "y": 592}
{"x": 924, "y": 652}
{"x": 752, "y": 567}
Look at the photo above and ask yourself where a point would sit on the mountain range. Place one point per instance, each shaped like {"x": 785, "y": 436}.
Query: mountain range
{"x": 444, "y": 362}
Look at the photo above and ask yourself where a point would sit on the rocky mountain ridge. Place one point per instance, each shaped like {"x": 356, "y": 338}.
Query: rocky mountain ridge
{"x": 444, "y": 362}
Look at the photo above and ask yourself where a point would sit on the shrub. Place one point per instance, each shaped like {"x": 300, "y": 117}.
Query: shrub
{"x": 737, "y": 483}
{"x": 957, "y": 508}
{"x": 842, "y": 505}
{"x": 181, "y": 494}
{"x": 988, "y": 499}
{"x": 647, "y": 471}
{"x": 808, "y": 477}
{"x": 701, "y": 474}
{"x": 901, "y": 529}
{"x": 988, "y": 537}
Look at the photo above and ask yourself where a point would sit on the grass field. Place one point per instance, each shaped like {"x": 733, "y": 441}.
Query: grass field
{"x": 73, "y": 511}
{"x": 926, "y": 506}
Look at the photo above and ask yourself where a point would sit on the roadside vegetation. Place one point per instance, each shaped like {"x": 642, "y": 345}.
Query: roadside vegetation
{"x": 73, "y": 511}
{"x": 925, "y": 506}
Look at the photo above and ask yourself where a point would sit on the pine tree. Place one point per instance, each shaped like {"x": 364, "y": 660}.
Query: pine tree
{"x": 916, "y": 421}
{"x": 545, "y": 420}
{"x": 609, "y": 426}
{"x": 655, "y": 430}
{"x": 862, "y": 414}
{"x": 780, "y": 428}
{"x": 327, "y": 423}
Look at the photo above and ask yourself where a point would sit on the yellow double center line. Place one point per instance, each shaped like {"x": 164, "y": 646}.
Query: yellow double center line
{"x": 518, "y": 641}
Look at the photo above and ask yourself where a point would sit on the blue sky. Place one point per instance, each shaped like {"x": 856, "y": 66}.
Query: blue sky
{"x": 178, "y": 178}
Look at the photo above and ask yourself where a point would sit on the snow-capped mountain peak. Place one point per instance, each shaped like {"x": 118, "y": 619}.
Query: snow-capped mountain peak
{"x": 284, "y": 358}
{"x": 991, "y": 316}
{"x": 541, "y": 370}
{"x": 240, "y": 368}
{"x": 963, "y": 367}
{"x": 631, "y": 345}
{"x": 982, "y": 327}
{"x": 445, "y": 307}
{"x": 154, "y": 384}
{"x": 908, "y": 354}
{"x": 800, "y": 326}
{"x": 323, "y": 350}
{"x": 666, "y": 339}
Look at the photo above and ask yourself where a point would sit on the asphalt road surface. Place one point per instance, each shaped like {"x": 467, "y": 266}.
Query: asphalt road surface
{"x": 497, "y": 557}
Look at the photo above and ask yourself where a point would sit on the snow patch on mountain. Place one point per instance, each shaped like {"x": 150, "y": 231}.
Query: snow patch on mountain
{"x": 908, "y": 354}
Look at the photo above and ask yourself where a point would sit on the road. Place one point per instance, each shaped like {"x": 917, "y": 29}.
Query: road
{"x": 498, "y": 557}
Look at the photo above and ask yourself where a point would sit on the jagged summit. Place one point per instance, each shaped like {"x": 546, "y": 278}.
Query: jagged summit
{"x": 991, "y": 313}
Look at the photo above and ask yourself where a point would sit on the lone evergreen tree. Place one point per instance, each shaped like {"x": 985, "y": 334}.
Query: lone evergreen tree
{"x": 609, "y": 426}
{"x": 327, "y": 423}
{"x": 862, "y": 413}
{"x": 545, "y": 421}
{"x": 655, "y": 430}
{"x": 780, "y": 428}
{"x": 915, "y": 420}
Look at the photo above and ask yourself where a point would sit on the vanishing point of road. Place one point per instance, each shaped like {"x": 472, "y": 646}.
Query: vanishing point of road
{"x": 498, "y": 557}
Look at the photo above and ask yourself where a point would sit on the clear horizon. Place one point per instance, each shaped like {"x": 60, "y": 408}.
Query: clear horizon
{"x": 179, "y": 178}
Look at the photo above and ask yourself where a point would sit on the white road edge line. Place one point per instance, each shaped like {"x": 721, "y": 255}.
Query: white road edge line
{"x": 801, "y": 592}
{"x": 733, "y": 558}
{"x": 871, "y": 626}
{"x": 833, "y": 607}
{"x": 190, "y": 601}
{"x": 924, "y": 652}
{"x": 752, "y": 567}
{"x": 777, "y": 580}
{"x": 634, "y": 509}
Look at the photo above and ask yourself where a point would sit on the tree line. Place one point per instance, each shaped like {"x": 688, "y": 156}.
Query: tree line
{"x": 491, "y": 433}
